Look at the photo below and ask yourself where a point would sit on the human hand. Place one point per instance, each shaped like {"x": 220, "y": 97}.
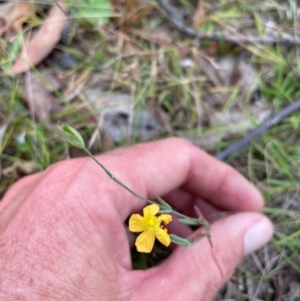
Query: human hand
{"x": 62, "y": 232}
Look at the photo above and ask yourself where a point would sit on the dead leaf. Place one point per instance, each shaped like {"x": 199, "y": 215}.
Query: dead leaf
{"x": 161, "y": 37}
{"x": 38, "y": 95}
{"x": 44, "y": 41}
{"x": 131, "y": 12}
{"x": 229, "y": 72}
{"x": 24, "y": 168}
{"x": 118, "y": 118}
{"x": 12, "y": 17}
{"x": 199, "y": 15}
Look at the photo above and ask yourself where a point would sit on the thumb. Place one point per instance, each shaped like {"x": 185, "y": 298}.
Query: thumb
{"x": 198, "y": 272}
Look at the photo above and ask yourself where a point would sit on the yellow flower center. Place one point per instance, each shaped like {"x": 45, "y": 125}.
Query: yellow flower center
{"x": 150, "y": 221}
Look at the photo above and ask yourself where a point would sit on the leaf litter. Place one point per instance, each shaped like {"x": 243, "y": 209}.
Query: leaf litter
{"x": 199, "y": 15}
{"x": 13, "y": 16}
{"x": 38, "y": 93}
{"x": 117, "y": 115}
{"x": 43, "y": 42}
{"x": 22, "y": 168}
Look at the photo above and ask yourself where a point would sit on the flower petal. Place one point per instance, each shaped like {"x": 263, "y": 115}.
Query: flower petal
{"x": 163, "y": 236}
{"x": 151, "y": 210}
{"x": 166, "y": 218}
{"x": 145, "y": 241}
{"x": 136, "y": 223}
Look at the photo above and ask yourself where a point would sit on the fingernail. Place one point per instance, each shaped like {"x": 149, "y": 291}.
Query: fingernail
{"x": 258, "y": 235}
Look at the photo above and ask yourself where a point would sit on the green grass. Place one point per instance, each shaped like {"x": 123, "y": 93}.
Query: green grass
{"x": 152, "y": 75}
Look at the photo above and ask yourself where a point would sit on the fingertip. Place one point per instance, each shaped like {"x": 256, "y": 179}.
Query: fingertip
{"x": 258, "y": 235}
{"x": 202, "y": 270}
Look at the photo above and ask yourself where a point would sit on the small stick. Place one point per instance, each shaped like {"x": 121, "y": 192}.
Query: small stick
{"x": 176, "y": 17}
{"x": 270, "y": 122}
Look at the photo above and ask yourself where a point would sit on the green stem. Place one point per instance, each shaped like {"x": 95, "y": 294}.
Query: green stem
{"x": 110, "y": 174}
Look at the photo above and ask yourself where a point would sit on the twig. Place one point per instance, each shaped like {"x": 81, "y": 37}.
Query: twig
{"x": 177, "y": 18}
{"x": 270, "y": 122}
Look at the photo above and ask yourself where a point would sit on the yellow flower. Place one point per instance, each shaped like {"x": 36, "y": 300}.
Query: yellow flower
{"x": 151, "y": 226}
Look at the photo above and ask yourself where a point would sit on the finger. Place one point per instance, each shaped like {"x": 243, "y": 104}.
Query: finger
{"x": 18, "y": 189}
{"x": 150, "y": 169}
{"x": 159, "y": 167}
{"x": 198, "y": 272}
{"x": 13, "y": 199}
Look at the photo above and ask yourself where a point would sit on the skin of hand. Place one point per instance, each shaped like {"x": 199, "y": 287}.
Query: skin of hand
{"x": 62, "y": 232}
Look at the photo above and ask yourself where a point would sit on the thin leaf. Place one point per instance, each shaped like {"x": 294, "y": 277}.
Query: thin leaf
{"x": 180, "y": 241}
{"x": 166, "y": 207}
{"x": 189, "y": 221}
